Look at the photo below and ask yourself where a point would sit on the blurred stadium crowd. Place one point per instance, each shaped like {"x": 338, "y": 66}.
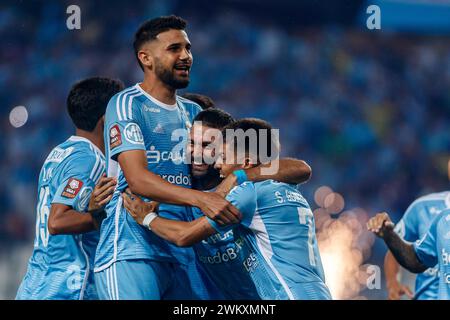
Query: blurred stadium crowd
{"x": 370, "y": 112}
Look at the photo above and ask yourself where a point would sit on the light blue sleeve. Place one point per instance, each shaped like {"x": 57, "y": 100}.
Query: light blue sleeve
{"x": 426, "y": 248}
{"x": 76, "y": 184}
{"x": 243, "y": 197}
{"x": 192, "y": 109}
{"x": 123, "y": 130}
{"x": 407, "y": 227}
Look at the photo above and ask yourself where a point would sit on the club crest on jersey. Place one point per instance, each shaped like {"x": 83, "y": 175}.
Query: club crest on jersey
{"x": 72, "y": 188}
{"x": 133, "y": 134}
{"x": 115, "y": 137}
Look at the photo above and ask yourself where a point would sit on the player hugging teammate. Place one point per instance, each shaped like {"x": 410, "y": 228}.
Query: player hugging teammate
{"x": 258, "y": 224}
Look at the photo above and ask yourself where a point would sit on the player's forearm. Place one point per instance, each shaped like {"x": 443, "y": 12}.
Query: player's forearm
{"x": 182, "y": 233}
{"x": 152, "y": 186}
{"x": 71, "y": 222}
{"x": 403, "y": 252}
{"x": 391, "y": 268}
{"x": 292, "y": 171}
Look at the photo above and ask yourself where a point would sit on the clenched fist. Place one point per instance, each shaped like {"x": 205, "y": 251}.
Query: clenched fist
{"x": 380, "y": 224}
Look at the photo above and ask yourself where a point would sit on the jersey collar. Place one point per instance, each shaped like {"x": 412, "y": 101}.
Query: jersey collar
{"x": 163, "y": 105}
{"x": 78, "y": 138}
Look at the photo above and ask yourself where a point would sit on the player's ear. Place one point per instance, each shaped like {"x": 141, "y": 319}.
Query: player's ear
{"x": 145, "y": 58}
{"x": 248, "y": 163}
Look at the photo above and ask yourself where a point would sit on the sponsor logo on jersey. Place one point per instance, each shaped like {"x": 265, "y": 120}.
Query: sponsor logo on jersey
{"x": 156, "y": 156}
{"x": 445, "y": 257}
{"x": 178, "y": 179}
{"x": 251, "y": 262}
{"x": 226, "y": 251}
{"x": 72, "y": 188}
{"x": 133, "y": 134}
{"x": 115, "y": 137}
{"x": 151, "y": 109}
{"x": 432, "y": 272}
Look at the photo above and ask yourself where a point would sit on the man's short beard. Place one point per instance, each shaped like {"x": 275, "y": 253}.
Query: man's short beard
{"x": 168, "y": 78}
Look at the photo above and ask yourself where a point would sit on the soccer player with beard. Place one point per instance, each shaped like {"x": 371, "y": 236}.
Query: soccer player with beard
{"x": 229, "y": 255}
{"x": 145, "y": 126}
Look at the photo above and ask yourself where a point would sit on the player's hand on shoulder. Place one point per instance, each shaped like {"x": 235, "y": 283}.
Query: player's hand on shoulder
{"x": 136, "y": 207}
{"x": 380, "y": 224}
{"x": 102, "y": 193}
{"x": 215, "y": 207}
{"x": 396, "y": 290}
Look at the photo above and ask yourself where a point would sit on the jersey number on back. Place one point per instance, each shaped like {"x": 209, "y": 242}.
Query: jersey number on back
{"x": 306, "y": 218}
{"x": 43, "y": 212}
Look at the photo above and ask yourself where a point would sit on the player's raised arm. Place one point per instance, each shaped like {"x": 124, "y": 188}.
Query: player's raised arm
{"x": 290, "y": 170}
{"x": 403, "y": 252}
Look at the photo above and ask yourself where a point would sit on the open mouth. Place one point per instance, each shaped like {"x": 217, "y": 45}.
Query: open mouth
{"x": 199, "y": 166}
{"x": 183, "y": 69}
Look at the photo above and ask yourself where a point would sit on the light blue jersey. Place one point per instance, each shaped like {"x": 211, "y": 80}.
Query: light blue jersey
{"x": 434, "y": 249}
{"x": 60, "y": 266}
{"x": 137, "y": 121}
{"x": 222, "y": 258}
{"x": 413, "y": 226}
{"x": 277, "y": 241}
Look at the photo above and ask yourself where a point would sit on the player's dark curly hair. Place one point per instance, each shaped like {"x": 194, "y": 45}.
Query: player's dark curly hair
{"x": 203, "y": 101}
{"x": 150, "y": 29}
{"x": 265, "y": 136}
{"x": 214, "y": 118}
{"x": 88, "y": 99}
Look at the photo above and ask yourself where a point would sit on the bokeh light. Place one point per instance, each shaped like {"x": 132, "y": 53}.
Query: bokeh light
{"x": 320, "y": 195}
{"x": 344, "y": 244}
{"x": 18, "y": 116}
{"x": 334, "y": 203}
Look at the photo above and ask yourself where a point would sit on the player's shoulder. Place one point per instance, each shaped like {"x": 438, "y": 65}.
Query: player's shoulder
{"x": 84, "y": 152}
{"x": 189, "y": 104}
{"x": 121, "y": 104}
{"x": 270, "y": 185}
{"x": 247, "y": 185}
{"x": 244, "y": 189}
{"x": 122, "y": 93}
{"x": 432, "y": 197}
{"x": 443, "y": 217}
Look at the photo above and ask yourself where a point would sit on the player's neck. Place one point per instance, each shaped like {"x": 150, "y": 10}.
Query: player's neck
{"x": 94, "y": 137}
{"x": 158, "y": 90}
